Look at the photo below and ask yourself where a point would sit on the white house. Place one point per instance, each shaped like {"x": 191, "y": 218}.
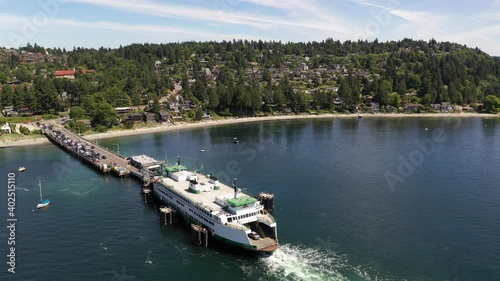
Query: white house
{"x": 6, "y": 129}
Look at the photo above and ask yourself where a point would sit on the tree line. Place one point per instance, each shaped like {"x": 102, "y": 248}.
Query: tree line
{"x": 140, "y": 73}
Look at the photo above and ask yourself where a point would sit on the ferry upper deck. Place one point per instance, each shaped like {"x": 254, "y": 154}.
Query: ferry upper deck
{"x": 211, "y": 192}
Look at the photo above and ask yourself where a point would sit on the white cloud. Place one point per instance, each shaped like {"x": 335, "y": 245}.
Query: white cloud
{"x": 487, "y": 37}
{"x": 415, "y": 16}
{"x": 227, "y": 15}
{"x": 385, "y": 5}
{"x": 284, "y": 20}
{"x": 23, "y": 27}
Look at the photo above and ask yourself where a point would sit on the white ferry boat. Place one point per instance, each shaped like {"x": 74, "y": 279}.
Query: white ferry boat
{"x": 229, "y": 215}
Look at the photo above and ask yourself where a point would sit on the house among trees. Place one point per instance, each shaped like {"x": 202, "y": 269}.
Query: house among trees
{"x": 413, "y": 107}
{"x": 164, "y": 116}
{"x": 71, "y": 74}
{"x": 123, "y": 110}
{"x": 136, "y": 117}
{"x": 9, "y": 111}
{"x": 150, "y": 117}
{"x": 25, "y": 111}
{"x": 442, "y": 107}
{"x": 374, "y": 106}
{"x": 5, "y": 129}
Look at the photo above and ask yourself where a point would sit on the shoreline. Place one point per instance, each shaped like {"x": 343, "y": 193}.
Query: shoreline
{"x": 232, "y": 121}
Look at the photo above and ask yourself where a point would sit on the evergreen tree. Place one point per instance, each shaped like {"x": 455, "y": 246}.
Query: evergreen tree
{"x": 345, "y": 92}
{"x": 385, "y": 89}
{"x": 7, "y": 96}
{"x": 402, "y": 88}
{"x": 213, "y": 99}
{"x": 19, "y": 97}
{"x": 47, "y": 98}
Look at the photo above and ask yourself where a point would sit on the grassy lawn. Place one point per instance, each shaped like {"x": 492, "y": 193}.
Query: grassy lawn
{"x": 16, "y": 137}
{"x": 19, "y": 119}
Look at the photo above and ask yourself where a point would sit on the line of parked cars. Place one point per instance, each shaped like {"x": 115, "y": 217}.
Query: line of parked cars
{"x": 83, "y": 149}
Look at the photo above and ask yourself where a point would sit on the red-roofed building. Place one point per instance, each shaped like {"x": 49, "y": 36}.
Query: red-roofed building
{"x": 70, "y": 74}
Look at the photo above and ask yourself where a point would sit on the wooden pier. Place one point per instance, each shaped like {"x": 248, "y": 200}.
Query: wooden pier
{"x": 95, "y": 155}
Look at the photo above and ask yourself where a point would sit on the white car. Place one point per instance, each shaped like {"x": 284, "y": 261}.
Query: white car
{"x": 254, "y": 235}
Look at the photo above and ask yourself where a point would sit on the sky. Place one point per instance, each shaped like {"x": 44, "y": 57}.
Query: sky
{"x": 111, "y": 23}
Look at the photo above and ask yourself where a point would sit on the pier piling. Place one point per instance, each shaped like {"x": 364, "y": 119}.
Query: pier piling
{"x": 199, "y": 235}
{"x": 146, "y": 192}
{"x": 167, "y": 216}
{"x": 267, "y": 200}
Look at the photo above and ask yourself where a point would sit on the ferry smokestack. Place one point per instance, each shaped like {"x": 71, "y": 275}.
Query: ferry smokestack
{"x": 235, "y": 189}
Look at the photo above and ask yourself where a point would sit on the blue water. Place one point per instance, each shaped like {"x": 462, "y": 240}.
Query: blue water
{"x": 355, "y": 200}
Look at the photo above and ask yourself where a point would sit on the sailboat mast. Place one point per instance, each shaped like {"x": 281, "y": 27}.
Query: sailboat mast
{"x": 40, "y": 185}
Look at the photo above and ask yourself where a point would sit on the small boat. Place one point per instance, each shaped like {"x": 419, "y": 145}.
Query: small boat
{"x": 236, "y": 141}
{"x": 202, "y": 150}
{"x": 21, "y": 169}
{"x": 43, "y": 203}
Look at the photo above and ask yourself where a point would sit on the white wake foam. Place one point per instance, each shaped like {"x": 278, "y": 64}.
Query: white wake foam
{"x": 299, "y": 263}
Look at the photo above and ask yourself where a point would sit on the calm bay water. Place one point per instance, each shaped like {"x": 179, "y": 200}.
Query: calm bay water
{"x": 339, "y": 218}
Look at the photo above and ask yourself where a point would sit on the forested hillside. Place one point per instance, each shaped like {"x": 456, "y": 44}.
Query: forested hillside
{"x": 246, "y": 78}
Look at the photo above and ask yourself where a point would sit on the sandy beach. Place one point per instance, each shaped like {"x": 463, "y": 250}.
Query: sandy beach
{"x": 232, "y": 121}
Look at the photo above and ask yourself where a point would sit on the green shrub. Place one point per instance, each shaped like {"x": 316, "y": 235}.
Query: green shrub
{"x": 49, "y": 116}
{"x": 77, "y": 112}
{"x": 24, "y": 130}
{"x": 129, "y": 124}
{"x": 101, "y": 129}
{"x": 77, "y": 126}
{"x": 225, "y": 112}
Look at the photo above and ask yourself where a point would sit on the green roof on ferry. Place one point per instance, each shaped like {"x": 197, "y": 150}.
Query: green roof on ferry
{"x": 241, "y": 201}
{"x": 175, "y": 168}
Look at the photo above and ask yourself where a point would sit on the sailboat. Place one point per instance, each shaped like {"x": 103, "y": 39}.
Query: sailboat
{"x": 43, "y": 203}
